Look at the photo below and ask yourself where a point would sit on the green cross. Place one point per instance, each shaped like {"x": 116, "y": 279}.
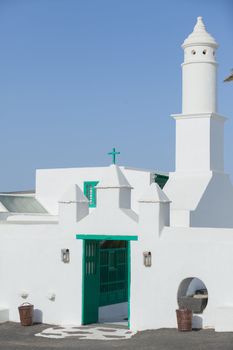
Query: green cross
{"x": 113, "y": 154}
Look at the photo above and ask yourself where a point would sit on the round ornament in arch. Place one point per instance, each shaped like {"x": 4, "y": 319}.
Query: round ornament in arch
{"x": 193, "y": 295}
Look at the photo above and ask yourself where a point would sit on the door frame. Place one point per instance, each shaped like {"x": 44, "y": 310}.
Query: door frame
{"x": 107, "y": 238}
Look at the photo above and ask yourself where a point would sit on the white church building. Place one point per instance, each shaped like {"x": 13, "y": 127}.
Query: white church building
{"x": 112, "y": 243}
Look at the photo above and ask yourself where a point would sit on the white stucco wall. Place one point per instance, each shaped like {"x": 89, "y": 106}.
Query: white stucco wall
{"x": 201, "y": 199}
{"x": 180, "y": 253}
{"x": 30, "y": 260}
{"x": 51, "y": 184}
{"x": 199, "y": 142}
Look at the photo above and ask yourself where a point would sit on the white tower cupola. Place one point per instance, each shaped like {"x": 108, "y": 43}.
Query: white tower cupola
{"x": 199, "y": 129}
{"x": 201, "y": 193}
{"x": 199, "y": 71}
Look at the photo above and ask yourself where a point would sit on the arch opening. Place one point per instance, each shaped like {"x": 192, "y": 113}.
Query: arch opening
{"x": 192, "y": 294}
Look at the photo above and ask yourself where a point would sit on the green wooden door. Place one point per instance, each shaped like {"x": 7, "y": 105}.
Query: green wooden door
{"x": 113, "y": 272}
{"x": 91, "y": 281}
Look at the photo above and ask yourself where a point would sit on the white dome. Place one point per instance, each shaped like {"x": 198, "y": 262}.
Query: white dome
{"x": 199, "y": 36}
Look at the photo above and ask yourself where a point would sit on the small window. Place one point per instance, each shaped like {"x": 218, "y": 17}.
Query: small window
{"x": 204, "y": 52}
{"x": 90, "y": 192}
{"x": 193, "y": 52}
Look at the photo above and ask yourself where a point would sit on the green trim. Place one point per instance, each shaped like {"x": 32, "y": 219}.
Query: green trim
{"x": 115, "y": 238}
{"x": 91, "y": 281}
{"x": 107, "y": 237}
{"x": 83, "y": 277}
{"x": 129, "y": 282}
{"x": 90, "y": 192}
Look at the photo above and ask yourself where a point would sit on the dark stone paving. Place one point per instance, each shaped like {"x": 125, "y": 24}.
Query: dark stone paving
{"x": 15, "y": 337}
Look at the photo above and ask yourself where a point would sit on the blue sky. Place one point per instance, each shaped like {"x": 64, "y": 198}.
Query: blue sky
{"x": 78, "y": 77}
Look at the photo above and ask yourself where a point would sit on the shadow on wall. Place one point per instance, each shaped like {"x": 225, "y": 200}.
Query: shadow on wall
{"x": 37, "y": 316}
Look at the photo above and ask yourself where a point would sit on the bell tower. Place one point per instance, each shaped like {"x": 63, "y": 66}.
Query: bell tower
{"x": 201, "y": 193}
{"x": 199, "y": 129}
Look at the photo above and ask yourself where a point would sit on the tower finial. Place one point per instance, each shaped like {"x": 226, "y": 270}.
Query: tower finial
{"x": 199, "y": 36}
{"x": 113, "y": 154}
{"x": 200, "y": 26}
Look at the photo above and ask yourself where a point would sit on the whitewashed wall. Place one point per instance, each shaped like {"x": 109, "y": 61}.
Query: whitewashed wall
{"x": 200, "y": 199}
{"x": 30, "y": 260}
{"x": 179, "y": 253}
{"x": 52, "y": 183}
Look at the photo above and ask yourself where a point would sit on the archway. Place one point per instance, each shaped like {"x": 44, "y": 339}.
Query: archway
{"x": 192, "y": 294}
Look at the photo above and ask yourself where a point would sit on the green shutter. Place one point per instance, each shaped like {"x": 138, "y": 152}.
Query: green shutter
{"x": 160, "y": 180}
{"x": 90, "y": 192}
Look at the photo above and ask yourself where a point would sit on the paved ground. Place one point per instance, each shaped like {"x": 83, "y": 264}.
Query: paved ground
{"x": 106, "y": 331}
{"x": 15, "y": 337}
